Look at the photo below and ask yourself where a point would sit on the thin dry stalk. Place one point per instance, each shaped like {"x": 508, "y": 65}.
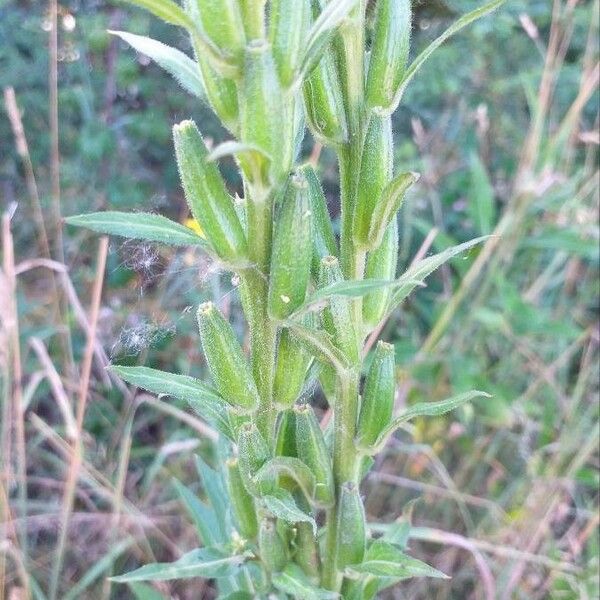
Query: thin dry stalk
{"x": 75, "y": 466}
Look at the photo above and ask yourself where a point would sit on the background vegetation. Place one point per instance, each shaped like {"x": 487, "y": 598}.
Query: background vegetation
{"x": 503, "y": 126}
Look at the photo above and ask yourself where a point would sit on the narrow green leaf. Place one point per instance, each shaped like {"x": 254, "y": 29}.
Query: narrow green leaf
{"x": 201, "y": 398}
{"x": 481, "y": 206}
{"x": 416, "y": 274}
{"x": 282, "y": 505}
{"x": 141, "y": 591}
{"x": 167, "y": 10}
{"x": 425, "y": 409}
{"x": 454, "y": 28}
{"x": 176, "y": 63}
{"x": 202, "y": 562}
{"x": 239, "y": 595}
{"x": 139, "y": 226}
{"x": 294, "y": 582}
{"x": 214, "y": 488}
{"x": 385, "y": 560}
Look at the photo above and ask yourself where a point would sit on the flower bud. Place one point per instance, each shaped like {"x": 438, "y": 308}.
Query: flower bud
{"x": 378, "y": 396}
{"x": 271, "y": 547}
{"x": 375, "y": 173}
{"x": 351, "y": 527}
{"x": 291, "y": 368}
{"x": 207, "y": 195}
{"x": 381, "y": 264}
{"x": 221, "y": 21}
{"x": 324, "y": 243}
{"x": 226, "y": 361}
{"x": 306, "y": 554}
{"x": 242, "y": 503}
{"x": 337, "y": 316}
{"x": 324, "y": 104}
{"x": 288, "y": 27}
{"x": 312, "y": 450}
{"x": 292, "y": 251}
{"x": 389, "y": 52}
{"x": 253, "y": 453}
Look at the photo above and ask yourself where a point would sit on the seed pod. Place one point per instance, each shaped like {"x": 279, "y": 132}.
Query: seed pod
{"x": 378, "y": 396}
{"x": 381, "y": 264}
{"x": 337, "y": 317}
{"x": 388, "y": 206}
{"x": 324, "y": 104}
{"x": 307, "y": 553}
{"x": 271, "y": 547}
{"x": 288, "y": 26}
{"x": 261, "y": 108}
{"x": 324, "y": 243}
{"x": 351, "y": 528}
{"x": 242, "y": 503}
{"x": 207, "y": 196}
{"x": 291, "y": 368}
{"x": 375, "y": 173}
{"x": 285, "y": 442}
{"x": 253, "y": 453}
{"x": 221, "y": 21}
{"x": 292, "y": 251}
{"x": 389, "y": 52}
{"x": 313, "y": 452}
{"x": 253, "y": 16}
{"x": 226, "y": 361}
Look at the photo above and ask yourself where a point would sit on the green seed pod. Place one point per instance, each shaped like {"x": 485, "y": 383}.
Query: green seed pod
{"x": 313, "y": 452}
{"x": 378, "y": 396}
{"x": 351, "y": 527}
{"x": 261, "y": 103}
{"x": 291, "y": 368}
{"x": 253, "y": 453}
{"x": 381, "y": 264}
{"x": 337, "y": 317}
{"x": 285, "y": 442}
{"x": 324, "y": 243}
{"x": 292, "y": 251}
{"x": 242, "y": 503}
{"x": 226, "y": 361}
{"x": 375, "y": 173}
{"x": 389, "y": 52}
{"x": 288, "y": 26}
{"x": 271, "y": 547}
{"x": 324, "y": 104}
{"x": 306, "y": 554}
{"x": 253, "y": 16}
{"x": 388, "y": 207}
{"x": 221, "y": 21}
{"x": 207, "y": 196}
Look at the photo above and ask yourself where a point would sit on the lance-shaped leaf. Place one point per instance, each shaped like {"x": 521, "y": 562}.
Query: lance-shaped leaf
{"x": 203, "y": 562}
{"x": 424, "y": 409}
{"x": 201, "y": 398}
{"x": 465, "y": 20}
{"x": 139, "y": 226}
{"x": 294, "y": 582}
{"x": 175, "y": 62}
{"x": 281, "y": 504}
{"x": 167, "y": 10}
{"x": 385, "y": 560}
{"x": 289, "y": 467}
{"x": 141, "y": 591}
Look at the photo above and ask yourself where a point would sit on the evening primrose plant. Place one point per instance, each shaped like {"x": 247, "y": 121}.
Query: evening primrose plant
{"x": 285, "y": 516}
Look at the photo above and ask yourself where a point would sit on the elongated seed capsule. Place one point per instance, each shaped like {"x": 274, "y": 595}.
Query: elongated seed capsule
{"x": 381, "y": 264}
{"x": 253, "y": 16}
{"x": 271, "y": 547}
{"x": 242, "y": 503}
{"x": 292, "y": 251}
{"x": 337, "y": 316}
{"x": 226, "y": 361}
{"x": 324, "y": 104}
{"x": 291, "y": 368}
{"x": 288, "y": 25}
{"x": 375, "y": 173}
{"x": 351, "y": 528}
{"x": 389, "y": 52}
{"x": 307, "y": 553}
{"x": 221, "y": 21}
{"x": 253, "y": 453}
{"x": 378, "y": 396}
{"x": 312, "y": 450}
{"x": 207, "y": 196}
{"x": 388, "y": 206}
{"x": 324, "y": 243}
{"x": 261, "y": 102}
{"x": 285, "y": 442}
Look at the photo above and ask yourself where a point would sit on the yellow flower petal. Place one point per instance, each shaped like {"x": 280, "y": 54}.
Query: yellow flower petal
{"x": 194, "y": 226}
